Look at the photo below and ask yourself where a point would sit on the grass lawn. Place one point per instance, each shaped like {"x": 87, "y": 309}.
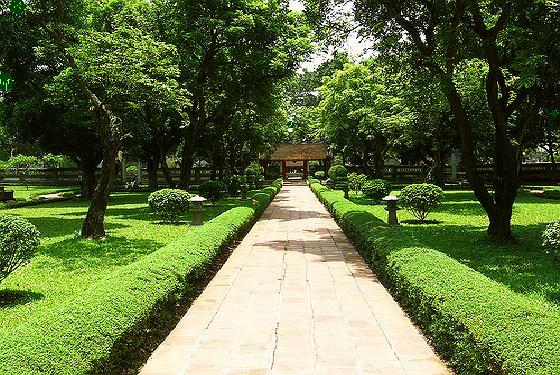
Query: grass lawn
{"x": 21, "y": 193}
{"x": 461, "y": 234}
{"x": 66, "y": 265}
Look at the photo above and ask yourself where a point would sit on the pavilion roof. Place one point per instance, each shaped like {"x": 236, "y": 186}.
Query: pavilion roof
{"x": 298, "y": 152}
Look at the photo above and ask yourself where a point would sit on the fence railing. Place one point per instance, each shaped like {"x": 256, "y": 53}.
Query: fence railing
{"x": 538, "y": 173}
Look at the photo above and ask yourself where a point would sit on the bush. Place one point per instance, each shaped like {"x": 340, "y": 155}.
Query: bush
{"x": 320, "y": 175}
{"x": 169, "y": 203}
{"x": 551, "y": 238}
{"x": 356, "y": 181}
{"x": 96, "y": 331}
{"x": 337, "y": 172}
{"x": 376, "y": 189}
{"x": 213, "y": 190}
{"x": 421, "y": 199}
{"x": 477, "y": 324}
{"x": 19, "y": 240}
{"x": 235, "y": 184}
{"x": 253, "y": 175}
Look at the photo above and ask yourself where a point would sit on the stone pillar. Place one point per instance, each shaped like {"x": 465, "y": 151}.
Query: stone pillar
{"x": 454, "y": 164}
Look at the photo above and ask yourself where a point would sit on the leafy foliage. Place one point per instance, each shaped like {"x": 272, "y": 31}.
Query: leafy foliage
{"x": 213, "y": 190}
{"x": 551, "y": 238}
{"x": 356, "y": 181}
{"x": 421, "y": 199}
{"x": 320, "y": 175}
{"x": 337, "y": 172}
{"x": 169, "y": 203}
{"x": 235, "y": 184}
{"x": 376, "y": 189}
{"x": 19, "y": 240}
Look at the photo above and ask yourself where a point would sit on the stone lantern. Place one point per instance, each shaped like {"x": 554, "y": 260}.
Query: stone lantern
{"x": 392, "y": 209}
{"x": 197, "y": 209}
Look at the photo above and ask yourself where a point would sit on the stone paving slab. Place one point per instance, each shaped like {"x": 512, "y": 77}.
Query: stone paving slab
{"x": 295, "y": 298}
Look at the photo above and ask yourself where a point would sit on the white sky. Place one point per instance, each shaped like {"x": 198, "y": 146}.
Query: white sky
{"x": 354, "y": 45}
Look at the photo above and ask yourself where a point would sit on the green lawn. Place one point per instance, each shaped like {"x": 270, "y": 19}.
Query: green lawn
{"x": 22, "y": 193}
{"x": 461, "y": 234}
{"x": 66, "y": 265}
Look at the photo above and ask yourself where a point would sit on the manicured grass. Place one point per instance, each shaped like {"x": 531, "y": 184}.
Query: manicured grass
{"x": 461, "y": 234}
{"x": 488, "y": 308}
{"x": 21, "y": 193}
{"x": 66, "y": 265}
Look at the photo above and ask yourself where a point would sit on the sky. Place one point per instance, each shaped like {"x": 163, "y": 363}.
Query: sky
{"x": 354, "y": 45}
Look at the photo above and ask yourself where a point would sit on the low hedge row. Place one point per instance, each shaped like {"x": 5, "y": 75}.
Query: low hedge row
{"x": 477, "y": 324}
{"x": 95, "y": 330}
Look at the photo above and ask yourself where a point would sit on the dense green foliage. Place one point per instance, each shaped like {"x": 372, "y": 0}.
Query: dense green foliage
{"x": 376, "y": 189}
{"x": 320, "y": 175}
{"x": 500, "y": 323}
{"x": 421, "y": 199}
{"x": 213, "y": 190}
{"x": 93, "y": 330}
{"x": 337, "y": 172}
{"x": 551, "y": 238}
{"x": 169, "y": 204}
{"x": 19, "y": 240}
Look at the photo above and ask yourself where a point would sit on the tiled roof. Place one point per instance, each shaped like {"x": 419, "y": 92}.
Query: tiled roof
{"x": 297, "y": 152}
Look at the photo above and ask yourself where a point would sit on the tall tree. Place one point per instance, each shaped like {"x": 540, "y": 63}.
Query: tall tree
{"x": 230, "y": 49}
{"x": 516, "y": 42}
{"x": 362, "y": 114}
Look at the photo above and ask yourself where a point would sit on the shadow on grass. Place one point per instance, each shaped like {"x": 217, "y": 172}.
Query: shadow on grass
{"x": 75, "y": 254}
{"x": 11, "y": 297}
{"x": 523, "y": 266}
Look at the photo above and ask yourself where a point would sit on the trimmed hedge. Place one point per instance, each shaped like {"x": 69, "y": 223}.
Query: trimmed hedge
{"x": 87, "y": 334}
{"x": 478, "y": 325}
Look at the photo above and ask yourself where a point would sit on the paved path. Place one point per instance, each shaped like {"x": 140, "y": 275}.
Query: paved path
{"x": 295, "y": 298}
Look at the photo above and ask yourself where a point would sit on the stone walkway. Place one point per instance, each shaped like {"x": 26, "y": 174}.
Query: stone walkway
{"x": 295, "y": 298}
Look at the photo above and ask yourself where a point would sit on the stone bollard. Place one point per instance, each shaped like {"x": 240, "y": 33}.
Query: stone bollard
{"x": 392, "y": 209}
{"x": 197, "y": 209}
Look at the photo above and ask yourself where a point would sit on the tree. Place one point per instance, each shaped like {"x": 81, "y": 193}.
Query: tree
{"x": 361, "y": 113}
{"x": 112, "y": 63}
{"x": 512, "y": 39}
{"x": 229, "y": 49}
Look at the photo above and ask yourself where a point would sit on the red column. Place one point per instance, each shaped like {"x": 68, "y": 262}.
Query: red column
{"x": 284, "y": 170}
{"x": 326, "y": 167}
{"x": 305, "y": 169}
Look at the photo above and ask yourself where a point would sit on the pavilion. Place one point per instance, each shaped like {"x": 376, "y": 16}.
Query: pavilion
{"x": 296, "y": 157}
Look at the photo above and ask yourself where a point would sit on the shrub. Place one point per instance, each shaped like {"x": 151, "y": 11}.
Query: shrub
{"x": 95, "y": 332}
{"x": 19, "y": 240}
{"x": 478, "y": 325}
{"x": 213, "y": 190}
{"x": 421, "y": 199}
{"x": 376, "y": 189}
{"x": 320, "y": 175}
{"x": 254, "y": 174}
{"x": 551, "y": 238}
{"x": 235, "y": 184}
{"x": 169, "y": 203}
{"x": 356, "y": 181}
{"x": 337, "y": 171}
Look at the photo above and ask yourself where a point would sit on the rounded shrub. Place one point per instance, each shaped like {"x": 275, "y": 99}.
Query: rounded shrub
{"x": 169, "y": 203}
{"x": 337, "y": 172}
{"x": 235, "y": 184}
{"x": 19, "y": 240}
{"x": 376, "y": 189}
{"x": 213, "y": 190}
{"x": 254, "y": 173}
{"x": 320, "y": 175}
{"x": 551, "y": 238}
{"x": 421, "y": 199}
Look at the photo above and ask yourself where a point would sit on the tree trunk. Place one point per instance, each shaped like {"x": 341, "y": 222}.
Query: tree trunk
{"x": 153, "y": 167}
{"x": 89, "y": 169}
{"x": 166, "y": 172}
{"x": 93, "y": 227}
